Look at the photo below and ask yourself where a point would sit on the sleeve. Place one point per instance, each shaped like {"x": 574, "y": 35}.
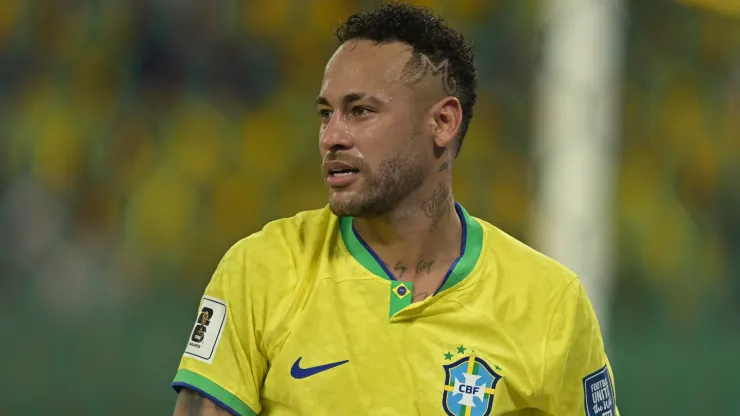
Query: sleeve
{"x": 223, "y": 360}
{"x": 577, "y": 377}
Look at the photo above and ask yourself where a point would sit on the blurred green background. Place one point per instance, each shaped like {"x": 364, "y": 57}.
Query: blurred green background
{"x": 140, "y": 139}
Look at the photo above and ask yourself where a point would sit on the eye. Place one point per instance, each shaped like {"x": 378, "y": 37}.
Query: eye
{"x": 360, "y": 111}
{"x": 324, "y": 113}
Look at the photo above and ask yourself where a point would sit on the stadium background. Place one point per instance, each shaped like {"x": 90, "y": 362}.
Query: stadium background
{"x": 140, "y": 139}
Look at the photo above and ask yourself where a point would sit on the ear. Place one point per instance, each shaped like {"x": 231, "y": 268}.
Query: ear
{"x": 446, "y": 120}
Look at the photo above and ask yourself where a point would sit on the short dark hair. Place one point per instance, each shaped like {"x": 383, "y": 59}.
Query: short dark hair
{"x": 428, "y": 34}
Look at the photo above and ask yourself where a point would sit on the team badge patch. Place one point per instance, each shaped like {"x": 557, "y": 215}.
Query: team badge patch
{"x": 207, "y": 330}
{"x": 470, "y": 385}
{"x": 599, "y": 393}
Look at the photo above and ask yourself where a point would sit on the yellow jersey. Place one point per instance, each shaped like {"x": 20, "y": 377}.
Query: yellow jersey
{"x": 303, "y": 318}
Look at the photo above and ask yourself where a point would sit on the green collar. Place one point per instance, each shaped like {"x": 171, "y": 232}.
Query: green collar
{"x": 470, "y": 249}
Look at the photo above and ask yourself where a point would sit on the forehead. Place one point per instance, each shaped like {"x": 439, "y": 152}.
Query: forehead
{"x": 365, "y": 66}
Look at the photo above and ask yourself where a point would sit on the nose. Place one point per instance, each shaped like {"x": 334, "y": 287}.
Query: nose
{"x": 335, "y": 135}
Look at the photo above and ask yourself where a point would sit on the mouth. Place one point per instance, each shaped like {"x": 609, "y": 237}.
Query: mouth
{"x": 340, "y": 174}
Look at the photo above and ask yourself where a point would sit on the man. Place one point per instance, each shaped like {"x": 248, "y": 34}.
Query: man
{"x": 393, "y": 300}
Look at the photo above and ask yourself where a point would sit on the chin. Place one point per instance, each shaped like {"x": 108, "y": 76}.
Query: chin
{"x": 343, "y": 205}
{"x": 346, "y": 203}
{"x": 352, "y": 204}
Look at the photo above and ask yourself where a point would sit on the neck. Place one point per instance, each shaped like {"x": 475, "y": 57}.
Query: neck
{"x": 424, "y": 228}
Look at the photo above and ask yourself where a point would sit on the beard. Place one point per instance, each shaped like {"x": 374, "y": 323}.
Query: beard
{"x": 381, "y": 191}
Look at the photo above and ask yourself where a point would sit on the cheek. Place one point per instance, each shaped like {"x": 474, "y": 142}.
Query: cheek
{"x": 384, "y": 133}
{"x": 376, "y": 144}
{"x": 322, "y": 130}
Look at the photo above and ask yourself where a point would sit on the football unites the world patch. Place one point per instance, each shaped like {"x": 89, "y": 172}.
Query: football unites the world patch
{"x": 470, "y": 386}
{"x": 207, "y": 330}
{"x": 599, "y": 393}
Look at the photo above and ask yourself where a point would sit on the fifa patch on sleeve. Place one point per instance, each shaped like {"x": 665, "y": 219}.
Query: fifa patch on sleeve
{"x": 207, "y": 331}
{"x": 599, "y": 393}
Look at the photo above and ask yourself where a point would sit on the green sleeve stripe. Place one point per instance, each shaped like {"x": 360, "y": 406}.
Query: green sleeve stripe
{"x": 189, "y": 379}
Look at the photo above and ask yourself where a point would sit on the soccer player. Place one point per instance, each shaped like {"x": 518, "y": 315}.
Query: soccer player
{"x": 393, "y": 300}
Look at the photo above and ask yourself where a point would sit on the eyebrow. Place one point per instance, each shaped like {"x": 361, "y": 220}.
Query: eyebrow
{"x": 348, "y": 99}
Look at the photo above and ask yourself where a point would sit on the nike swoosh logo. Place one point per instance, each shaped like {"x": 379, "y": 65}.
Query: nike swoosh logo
{"x": 297, "y": 372}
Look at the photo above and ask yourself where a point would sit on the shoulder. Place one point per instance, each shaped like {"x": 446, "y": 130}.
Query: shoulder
{"x": 524, "y": 273}
{"x": 267, "y": 269}
{"x": 285, "y": 236}
{"x": 530, "y": 265}
{"x": 270, "y": 258}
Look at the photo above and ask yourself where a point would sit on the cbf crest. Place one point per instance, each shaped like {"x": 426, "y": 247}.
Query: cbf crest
{"x": 470, "y": 385}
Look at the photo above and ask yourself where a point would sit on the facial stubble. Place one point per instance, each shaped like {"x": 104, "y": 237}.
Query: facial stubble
{"x": 383, "y": 190}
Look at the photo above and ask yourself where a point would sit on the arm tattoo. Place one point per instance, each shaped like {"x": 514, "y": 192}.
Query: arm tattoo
{"x": 437, "y": 205}
{"x": 194, "y": 402}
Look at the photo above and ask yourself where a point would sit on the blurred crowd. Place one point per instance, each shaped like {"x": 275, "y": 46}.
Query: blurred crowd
{"x": 679, "y": 199}
{"x": 148, "y": 134}
{"x": 139, "y": 139}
